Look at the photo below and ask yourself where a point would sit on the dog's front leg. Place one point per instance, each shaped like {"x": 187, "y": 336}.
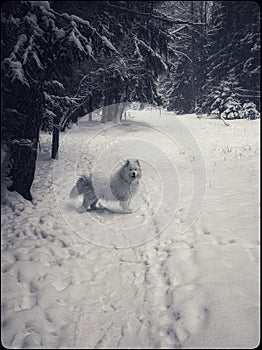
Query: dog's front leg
{"x": 93, "y": 205}
{"x": 125, "y": 207}
{"x": 89, "y": 200}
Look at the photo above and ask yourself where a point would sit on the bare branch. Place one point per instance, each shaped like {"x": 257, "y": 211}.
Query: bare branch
{"x": 176, "y": 52}
{"x": 227, "y": 124}
{"x": 165, "y": 19}
{"x": 177, "y": 30}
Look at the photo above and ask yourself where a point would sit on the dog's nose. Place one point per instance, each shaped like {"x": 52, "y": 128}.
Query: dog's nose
{"x": 134, "y": 174}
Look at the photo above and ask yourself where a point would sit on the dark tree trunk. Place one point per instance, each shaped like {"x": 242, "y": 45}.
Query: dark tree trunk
{"x": 90, "y": 109}
{"x": 56, "y": 129}
{"x": 23, "y": 144}
{"x": 110, "y": 113}
{"x": 55, "y": 141}
{"x": 108, "y": 109}
{"x": 120, "y": 107}
{"x": 104, "y": 110}
{"x": 104, "y": 114}
{"x": 193, "y": 59}
{"x": 23, "y": 161}
{"x": 116, "y": 108}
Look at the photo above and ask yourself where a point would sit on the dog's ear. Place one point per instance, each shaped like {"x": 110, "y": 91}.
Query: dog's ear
{"x": 137, "y": 161}
{"x": 127, "y": 162}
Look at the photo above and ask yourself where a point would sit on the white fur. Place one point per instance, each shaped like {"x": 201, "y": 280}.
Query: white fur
{"x": 124, "y": 184}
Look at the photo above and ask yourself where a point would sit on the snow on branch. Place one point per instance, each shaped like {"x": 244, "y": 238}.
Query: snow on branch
{"x": 256, "y": 70}
{"x": 32, "y": 54}
{"x": 20, "y": 42}
{"x": 23, "y": 143}
{"x": 152, "y": 52}
{"x": 79, "y": 41}
{"x": 108, "y": 43}
{"x": 74, "y": 19}
{"x": 44, "y": 4}
{"x": 55, "y": 83}
{"x": 80, "y": 20}
{"x": 137, "y": 52}
{"x": 76, "y": 42}
{"x": 15, "y": 71}
{"x": 76, "y": 35}
{"x": 173, "y": 32}
{"x": 14, "y": 112}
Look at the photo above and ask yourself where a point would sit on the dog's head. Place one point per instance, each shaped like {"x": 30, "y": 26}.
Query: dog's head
{"x": 133, "y": 168}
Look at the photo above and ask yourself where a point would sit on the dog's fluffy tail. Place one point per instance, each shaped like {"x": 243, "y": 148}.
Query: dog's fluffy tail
{"x": 73, "y": 193}
{"x": 79, "y": 188}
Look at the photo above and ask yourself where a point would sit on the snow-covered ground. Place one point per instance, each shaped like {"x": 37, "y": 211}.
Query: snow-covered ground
{"x": 182, "y": 270}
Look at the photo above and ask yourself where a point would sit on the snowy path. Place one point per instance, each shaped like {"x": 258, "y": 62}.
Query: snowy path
{"x": 198, "y": 289}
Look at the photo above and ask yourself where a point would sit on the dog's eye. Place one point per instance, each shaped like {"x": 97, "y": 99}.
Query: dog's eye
{"x": 135, "y": 169}
{"x": 130, "y": 169}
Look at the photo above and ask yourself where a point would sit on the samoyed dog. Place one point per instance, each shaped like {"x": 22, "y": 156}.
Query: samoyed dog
{"x": 124, "y": 184}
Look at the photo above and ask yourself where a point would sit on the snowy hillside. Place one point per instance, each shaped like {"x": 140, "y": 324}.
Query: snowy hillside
{"x": 181, "y": 271}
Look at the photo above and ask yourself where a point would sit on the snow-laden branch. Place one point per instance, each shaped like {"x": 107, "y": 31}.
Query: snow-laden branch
{"x": 15, "y": 71}
{"x": 248, "y": 90}
{"x": 151, "y": 51}
{"x": 75, "y": 19}
{"x": 249, "y": 96}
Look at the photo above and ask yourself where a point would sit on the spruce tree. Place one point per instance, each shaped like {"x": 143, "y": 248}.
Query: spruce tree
{"x": 38, "y": 46}
{"x": 233, "y": 43}
{"x": 117, "y": 51}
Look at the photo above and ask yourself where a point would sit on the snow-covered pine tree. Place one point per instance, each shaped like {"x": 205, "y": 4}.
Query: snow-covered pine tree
{"x": 232, "y": 109}
{"x": 250, "y": 111}
{"x": 224, "y": 99}
{"x": 138, "y": 37}
{"x": 22, "y": 91}
{"x": 38, "y": 46}
{"x": 233, "y": 43}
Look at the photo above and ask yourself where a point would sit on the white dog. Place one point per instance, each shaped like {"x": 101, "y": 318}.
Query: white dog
{"x": 124, "y": 184}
